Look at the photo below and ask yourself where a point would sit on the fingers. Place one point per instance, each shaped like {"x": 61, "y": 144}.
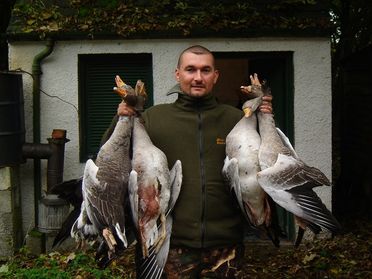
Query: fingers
{"x": 125, "y": 110}
{"x": 267, "y": 98}
{"x": 266, "y": 106}
{"x": 266, "y": 109}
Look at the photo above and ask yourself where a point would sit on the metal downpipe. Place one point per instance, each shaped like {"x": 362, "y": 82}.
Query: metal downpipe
{"x": 36, "y": 74}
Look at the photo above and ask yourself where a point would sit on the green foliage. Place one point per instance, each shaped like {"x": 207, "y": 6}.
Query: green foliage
{"x": 133, "y": 17}
{"x": 39, "y": 18}
{"x": 59, "y": 266}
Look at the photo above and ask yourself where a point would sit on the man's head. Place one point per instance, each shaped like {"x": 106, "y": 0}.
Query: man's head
{"x": 196, "y": 71}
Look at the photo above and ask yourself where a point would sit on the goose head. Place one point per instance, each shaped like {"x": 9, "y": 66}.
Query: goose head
{"x": 251, "y": 105}
{"x": 256, "y": 92}
{"x": 134, "y": 97}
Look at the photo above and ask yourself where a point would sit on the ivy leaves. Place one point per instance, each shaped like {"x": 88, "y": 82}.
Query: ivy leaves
{"x": 144, "y": 17}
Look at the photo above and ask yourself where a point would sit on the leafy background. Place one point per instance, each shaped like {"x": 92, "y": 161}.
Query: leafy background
{"x": 180, "y": 17}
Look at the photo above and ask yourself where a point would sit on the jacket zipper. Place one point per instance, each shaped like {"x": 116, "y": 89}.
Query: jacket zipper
{"x": 202, "y": 177}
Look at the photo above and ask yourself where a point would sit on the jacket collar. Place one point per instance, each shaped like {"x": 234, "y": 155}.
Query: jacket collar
{"x": 187, "y": 102}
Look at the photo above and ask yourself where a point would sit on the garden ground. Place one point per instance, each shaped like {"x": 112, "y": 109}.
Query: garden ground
{"x": 348, "y": 255}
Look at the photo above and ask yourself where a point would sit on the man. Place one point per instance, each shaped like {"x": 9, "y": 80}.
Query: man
{"x": 207, "y": 235}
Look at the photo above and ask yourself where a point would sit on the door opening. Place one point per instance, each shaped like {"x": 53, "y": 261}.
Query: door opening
{"x": 277, "y": 69}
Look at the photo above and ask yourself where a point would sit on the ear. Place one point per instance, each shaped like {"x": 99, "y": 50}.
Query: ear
{"x": 177, "y": 74}
{"x": 216, "y": 75}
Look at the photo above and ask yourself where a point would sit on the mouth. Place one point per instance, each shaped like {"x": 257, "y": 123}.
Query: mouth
{"x": 198, "y": 87}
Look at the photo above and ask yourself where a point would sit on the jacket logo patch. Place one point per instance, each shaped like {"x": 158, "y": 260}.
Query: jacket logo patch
{"x": 220, "y": 141}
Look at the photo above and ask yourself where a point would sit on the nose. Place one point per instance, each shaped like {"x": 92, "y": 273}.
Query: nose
{"x": 197, "y": 75}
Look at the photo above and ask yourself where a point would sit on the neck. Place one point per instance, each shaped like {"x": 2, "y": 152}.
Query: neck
{"x": 139, "y": 132}
{"x": 266, "y": 124}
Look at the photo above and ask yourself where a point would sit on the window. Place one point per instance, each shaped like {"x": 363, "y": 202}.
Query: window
{"x": 97, "y": 101}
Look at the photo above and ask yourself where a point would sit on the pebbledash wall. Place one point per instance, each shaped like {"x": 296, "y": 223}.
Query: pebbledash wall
{"x": 312, "y": 94}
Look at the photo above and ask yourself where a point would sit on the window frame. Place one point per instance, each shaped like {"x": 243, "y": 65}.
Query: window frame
{"x": 97, "y": 101}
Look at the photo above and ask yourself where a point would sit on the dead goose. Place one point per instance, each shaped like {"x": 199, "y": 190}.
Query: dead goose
{"x": 153, "y": 189}
{"x": 241, "y": 167}
{"x": 104, "y": 185}
{"x": 152, "y": 266}
{"x": 289, "y": 181}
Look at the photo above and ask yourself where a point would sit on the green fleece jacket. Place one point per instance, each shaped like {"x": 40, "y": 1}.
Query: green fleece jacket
{"x": 194, "y": 130}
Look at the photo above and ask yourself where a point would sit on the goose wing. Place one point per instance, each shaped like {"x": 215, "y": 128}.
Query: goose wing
{"x": 153, "y": 265}
{"x": 287, "y": 143}
{"x": 83, "y": 226}
{"x": 290, "y": 183}
{"x": 231, "y": 174}
{"x": 176, "y": 183}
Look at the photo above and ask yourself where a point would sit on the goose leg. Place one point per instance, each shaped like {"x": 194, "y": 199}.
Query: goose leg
{"x": 145, "y": 250}
{"x": 161, "y": 238}
{"x": 227, "y": 260}
{"x": 110, "y": 239}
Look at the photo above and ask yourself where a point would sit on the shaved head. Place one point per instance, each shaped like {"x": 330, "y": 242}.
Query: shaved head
{"x": 195, "y": 72}
{"x": 196, "y": 49}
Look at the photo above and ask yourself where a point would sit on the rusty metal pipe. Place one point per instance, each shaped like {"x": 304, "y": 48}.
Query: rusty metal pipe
{"x": 36, "y": 150}
{"x": 53, "y": 151}
{"x": 56, "y": 160}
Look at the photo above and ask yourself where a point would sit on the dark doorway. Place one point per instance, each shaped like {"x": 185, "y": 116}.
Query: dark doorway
{"x": 277, "y": 69}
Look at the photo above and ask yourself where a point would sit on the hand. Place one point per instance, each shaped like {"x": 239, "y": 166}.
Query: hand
{"x": 266, "y": 106}
{"x": 125, "y": 110}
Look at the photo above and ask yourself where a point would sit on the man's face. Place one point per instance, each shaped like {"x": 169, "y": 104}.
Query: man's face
{"x": 196, "y": 74}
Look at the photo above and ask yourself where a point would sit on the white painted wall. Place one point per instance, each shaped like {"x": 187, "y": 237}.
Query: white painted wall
{"x": 312, "y": 97}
